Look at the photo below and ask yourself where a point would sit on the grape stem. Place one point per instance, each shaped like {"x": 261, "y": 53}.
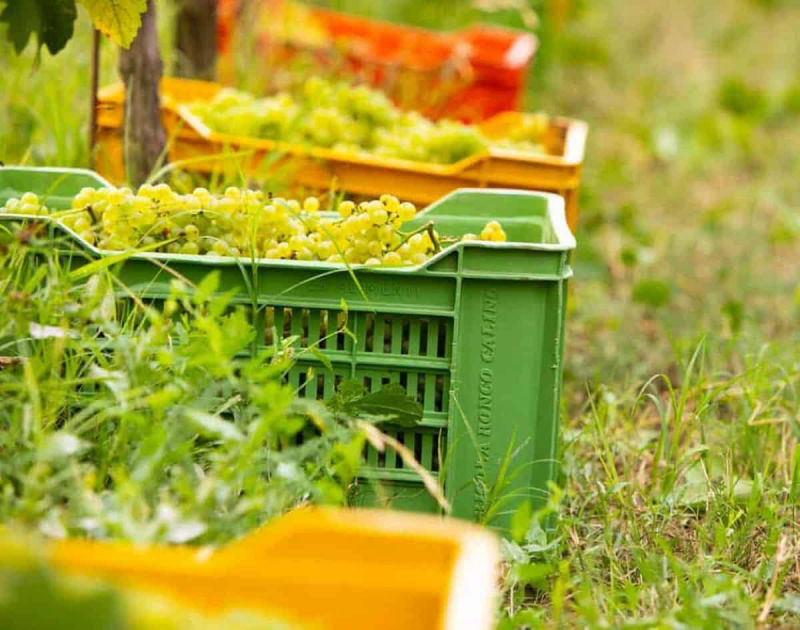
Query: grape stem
{"x": 428, "y": 227}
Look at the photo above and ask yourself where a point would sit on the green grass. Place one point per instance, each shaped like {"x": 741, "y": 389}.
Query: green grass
{"x": 680, "y": 459}
{"x": 150, "y": 422}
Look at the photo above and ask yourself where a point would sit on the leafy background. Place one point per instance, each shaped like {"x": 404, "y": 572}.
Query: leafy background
{"x": 51, "y": 22}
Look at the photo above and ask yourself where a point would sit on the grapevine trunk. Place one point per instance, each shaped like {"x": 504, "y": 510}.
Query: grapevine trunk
{"x": 141, "y": 68}
{"x": 196, "y": 39}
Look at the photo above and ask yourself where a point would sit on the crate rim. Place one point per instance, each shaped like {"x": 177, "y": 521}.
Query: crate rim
{"x": 66, "y": 170}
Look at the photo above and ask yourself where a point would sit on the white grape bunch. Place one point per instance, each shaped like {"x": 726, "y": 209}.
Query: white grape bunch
{"x": 356, "y": 119}
{"x": 28, "y": 204}
{"x": 249, "y": 224}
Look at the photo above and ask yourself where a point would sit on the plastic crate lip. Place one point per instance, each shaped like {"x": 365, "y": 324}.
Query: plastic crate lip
{"x": 64, "y": 170}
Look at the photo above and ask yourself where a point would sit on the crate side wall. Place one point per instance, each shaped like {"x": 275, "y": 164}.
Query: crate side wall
{"x": 502, "y": 397}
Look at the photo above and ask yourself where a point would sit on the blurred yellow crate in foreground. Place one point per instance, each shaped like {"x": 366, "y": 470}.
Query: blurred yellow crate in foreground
{"x": 421, "y": 182}
{"x": 321, "y": 568}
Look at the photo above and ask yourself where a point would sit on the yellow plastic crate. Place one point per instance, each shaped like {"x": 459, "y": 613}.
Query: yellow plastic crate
{"x": 320, "y": 568}
{"x": 317, "y": 168}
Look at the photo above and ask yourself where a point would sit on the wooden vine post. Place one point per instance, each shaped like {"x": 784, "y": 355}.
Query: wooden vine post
{"x": 141, "y": 69}
{"x": 196, "y": 39}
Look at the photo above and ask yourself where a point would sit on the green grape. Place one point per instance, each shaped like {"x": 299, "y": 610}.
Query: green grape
{"x": 417, "y": 244}
{"x": 304, "y": 253}
{"x": 82, "y": 223}
{"x": 392, "y": 258}
{"x": 11, "y": 205}
{"x": 493, "y": 231}
{"x": 190, "y": 247}
{"x": 29, "y": 205}
{"x": 386, "y": 233}
{"x": 406, "y": 211}
{"x": 528, "y": 136}
{"x": 346, "y": 209}
{"x": 284, "y": 250}
{"x": 191, "y": 231}
{"x": 220, "y": 248}
{"x": 325, "y": 250}
{"x": 418, "y": 258}
{"x": 87, "y": 236}
{"x": 28, "y": 208}
{"x": 352, "y": 255}
{"x": 378, "y": 216}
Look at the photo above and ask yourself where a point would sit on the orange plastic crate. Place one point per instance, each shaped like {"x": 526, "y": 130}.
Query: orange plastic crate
{"x": 315, "y": 168}
{"x": 320, "y": 568}
{"x": 469, "y": 74}
{"x": 500, "y": 62}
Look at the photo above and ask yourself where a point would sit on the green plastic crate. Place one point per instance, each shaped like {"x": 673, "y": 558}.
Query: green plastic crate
{"x": 57, "y": 185}
{"x": 475, "y": 334}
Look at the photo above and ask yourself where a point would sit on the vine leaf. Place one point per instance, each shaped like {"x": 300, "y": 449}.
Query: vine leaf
{"x": 393, "y": 403}
{"x": 52, "y": 21}
{"x": 390, "y": 403}
{"x": 119, "y": 19}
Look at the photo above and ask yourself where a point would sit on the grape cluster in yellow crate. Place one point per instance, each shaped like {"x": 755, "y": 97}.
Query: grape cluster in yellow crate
{"x": 355, "y": 119}
{"x": 249, "y": 224}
